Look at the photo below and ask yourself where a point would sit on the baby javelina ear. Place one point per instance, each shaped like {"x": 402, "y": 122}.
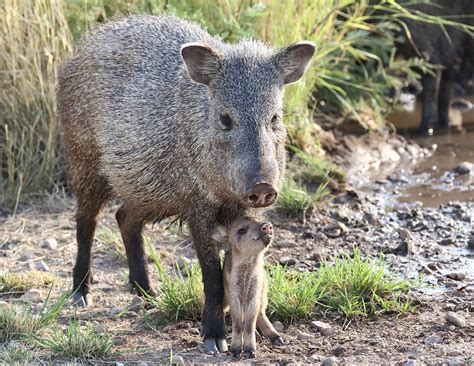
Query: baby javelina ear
{"x": 220, "y": 235}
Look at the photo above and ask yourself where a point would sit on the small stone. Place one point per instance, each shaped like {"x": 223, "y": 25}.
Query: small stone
{"x": 301, "y": 336}
{"x": 41, "y": 266}
{"x": 279, "y": 327}
{"x": 136, "y": 303}
{"x": 115, "y": 311}
{"x": 464, "y": 168}
{"x": 194, "y": 331}
{"x": 432, "y": 340}
{"x": 285, "y": 244}
{"x": 49, "y": 243}
{"x": 335, "y": 230}
{"x": 337, "y": 350}
{"x": 32, "y": 295}
{"x": 324, "y": 328}
{"x": 330, "y": 361}
{"x": 447, "y": 241}
{"x": 456, "y": 362}
{"x": 454, "y": 353}
{"x": 456, "y": 319}
{"x": 177, "y": 360}
{"x": 457, "y": 276}
{"x": 442, "y": 351}
{"x": 183, "y": 263}
{"x": 287, "y": 261}
{"x": 410, "y": 363}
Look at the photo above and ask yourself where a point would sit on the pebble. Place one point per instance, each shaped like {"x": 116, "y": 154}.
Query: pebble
{"x": 457, "y": 276}
{"x": 335, "y": 230}
{"x": 456, "y": 319}
{"x": 286, "y": 244}
{"x": 32, "y": 295}
{"x": 302, "y": 336}
{"x": 114, "y": 311}
{"x": 325, "y": 329}
{"x": 194, "y": 331}
{"x": 470, "y": 243}
{"x": 136, "y": 303}
{"x": 177, "y": 360}
{"x": 464, "y": 168}
{"x": 41, "y": 266}
{"x": 330, "y": 361}
{"x": 410, "y": 363}
{"x": 432, "y": 340}
{"x": 49, "y": 243}
{"x": 287, "y": 261}
{"x": 337, "y": 350}
{"x": 455, "y": 362}
{"x": 279, "y": 327}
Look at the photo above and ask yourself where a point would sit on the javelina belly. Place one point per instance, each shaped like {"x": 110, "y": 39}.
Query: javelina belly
{"x": 173, "y": 122}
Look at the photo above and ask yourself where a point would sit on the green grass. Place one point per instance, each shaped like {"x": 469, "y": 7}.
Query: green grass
{"x": 79, "y": 342}
{"x": 110, "y": 242}
{"x": 179, "y": 297}
{"x": 16, "y": 354}
{"x": 20, "y": 322}
{"x": 352, "y": 286}
{"x": 17, "y": 283}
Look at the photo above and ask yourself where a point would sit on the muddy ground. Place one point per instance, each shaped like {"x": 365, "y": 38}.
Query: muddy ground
{"x": 419, "y": 216}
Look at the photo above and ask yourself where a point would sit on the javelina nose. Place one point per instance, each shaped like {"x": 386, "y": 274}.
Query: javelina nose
{"x": 266, "y": 228}
{"x": 260, "y": 195}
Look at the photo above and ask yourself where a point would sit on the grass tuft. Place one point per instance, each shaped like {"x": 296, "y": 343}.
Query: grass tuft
{"x": 352, "y": 286}
{"x": 179, "y": 296}
{"x": 79, "y": 342}
{"x": 16, "y": 354}
{"x": 110, "y": 241}
{"x": 17, "y": 283}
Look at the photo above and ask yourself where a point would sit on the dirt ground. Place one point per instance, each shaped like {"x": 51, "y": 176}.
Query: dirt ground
{"x": 431, "y": 242}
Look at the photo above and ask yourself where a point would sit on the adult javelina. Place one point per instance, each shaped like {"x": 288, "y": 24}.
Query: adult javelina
{"x": 448, "y": 47}
{"x": 173, "y": 122}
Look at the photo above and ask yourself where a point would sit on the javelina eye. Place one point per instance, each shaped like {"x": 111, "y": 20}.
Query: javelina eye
{"x": 275, "y": 118}
{"x": 242, "y": 231}
{"x": 226, "y": 122}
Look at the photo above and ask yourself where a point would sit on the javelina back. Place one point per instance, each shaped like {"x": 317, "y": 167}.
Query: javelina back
{"x": 173, "y": 122}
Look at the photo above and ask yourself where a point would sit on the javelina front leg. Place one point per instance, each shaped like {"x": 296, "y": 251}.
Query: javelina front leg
{"x": 82, "y": 276}
{"x": 213, "y": 324}
{"x": 131, "y": 229}
{"x": 429, "y": 113}
{"x": 446, "y": 88}
{"x": 237, "y": 329}
{"x": 250, "y": 322}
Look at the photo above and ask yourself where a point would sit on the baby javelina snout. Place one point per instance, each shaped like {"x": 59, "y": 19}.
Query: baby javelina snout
{"x": 245, "y": 282}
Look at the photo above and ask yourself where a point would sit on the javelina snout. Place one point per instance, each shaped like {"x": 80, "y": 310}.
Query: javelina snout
{"x": 260, "y": 195}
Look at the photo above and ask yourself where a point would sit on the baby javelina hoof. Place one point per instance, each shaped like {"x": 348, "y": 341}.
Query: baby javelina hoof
{"x": 245, "y": 282}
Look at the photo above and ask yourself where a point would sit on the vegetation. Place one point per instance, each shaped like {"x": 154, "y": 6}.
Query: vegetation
{"x": 17, "y": 283}
{"x": 352, "y": 286}
{"x": 353, "y": 69}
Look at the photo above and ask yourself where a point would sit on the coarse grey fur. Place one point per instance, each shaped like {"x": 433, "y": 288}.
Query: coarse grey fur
{"x": 175, "y": 123}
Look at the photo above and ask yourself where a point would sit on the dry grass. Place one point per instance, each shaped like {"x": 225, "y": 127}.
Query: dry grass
{"x": 17, "y": 283}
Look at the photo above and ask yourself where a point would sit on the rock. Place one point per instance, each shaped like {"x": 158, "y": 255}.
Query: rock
{"x": 115, "y": 311}
{"x": 335, "y": 230}
{"x": 457, "y": 276}
{"x": 432, "y": 340}
{"x": 456, "y": 319}
{"x": 136, "y": 303}
{"x": 301, "y": 336}
{"x": 285, "y": 244}
{"x": 410, "y": 363}
{"x": 141, "y": 363}
{"x": 325, "y": 329}
{"x": 194, "y": 331}
{"x": 330, "y": 361}
{"x": 448, "y": 241}
{"x": 32, "y": 295}
{"x": 177, "y": 360}
{"x": 279, "y": 327}
{"x": 287, "y": 261}
{"x": 49, "y": 243}
{"x": 470, "y": 243}
{"x": 41, "y": 266}
{"x": 456, "y": 362}
{"x": 337, "y": 350}
{"x": 183, "y": 263}
{"x": 464, "y": 168}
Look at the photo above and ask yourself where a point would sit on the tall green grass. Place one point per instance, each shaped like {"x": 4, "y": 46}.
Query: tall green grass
{"x": 354, "y": 65}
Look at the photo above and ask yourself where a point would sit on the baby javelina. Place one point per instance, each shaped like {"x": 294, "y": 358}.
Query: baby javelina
{"x": 245, "y": 282}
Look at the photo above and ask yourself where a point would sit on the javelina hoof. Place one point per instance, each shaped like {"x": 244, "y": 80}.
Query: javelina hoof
{"x": 235, "y": 352}
{"x": 278, "y": 341}
{"x": 81, "y": 300}
{"x": 215, "y": 346}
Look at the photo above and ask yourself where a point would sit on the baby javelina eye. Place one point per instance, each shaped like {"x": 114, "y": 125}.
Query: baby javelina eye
{"x": 242, "y": 231}
{"x": 226, "y": 122}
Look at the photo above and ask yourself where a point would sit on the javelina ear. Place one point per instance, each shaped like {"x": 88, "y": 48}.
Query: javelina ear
{"x": 202, "y": 62}
{"x": 220, "y": 235}
{"x": 294, "y": 59}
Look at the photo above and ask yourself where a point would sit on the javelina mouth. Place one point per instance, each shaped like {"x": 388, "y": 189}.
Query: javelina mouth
{"x": 266, "y": 238}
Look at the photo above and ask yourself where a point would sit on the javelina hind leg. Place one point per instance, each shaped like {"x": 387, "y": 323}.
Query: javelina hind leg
{"x": 429, "y": 114}
{"x": 131, "y": 228}
{"x": 446, "y": 87}
{"x": 213, "y": 324}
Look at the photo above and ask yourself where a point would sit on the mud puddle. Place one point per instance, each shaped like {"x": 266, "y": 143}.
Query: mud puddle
{"x": 431, "y": 207}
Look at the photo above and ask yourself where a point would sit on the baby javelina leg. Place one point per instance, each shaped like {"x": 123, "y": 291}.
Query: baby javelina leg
{"x": 245, "y": 283}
